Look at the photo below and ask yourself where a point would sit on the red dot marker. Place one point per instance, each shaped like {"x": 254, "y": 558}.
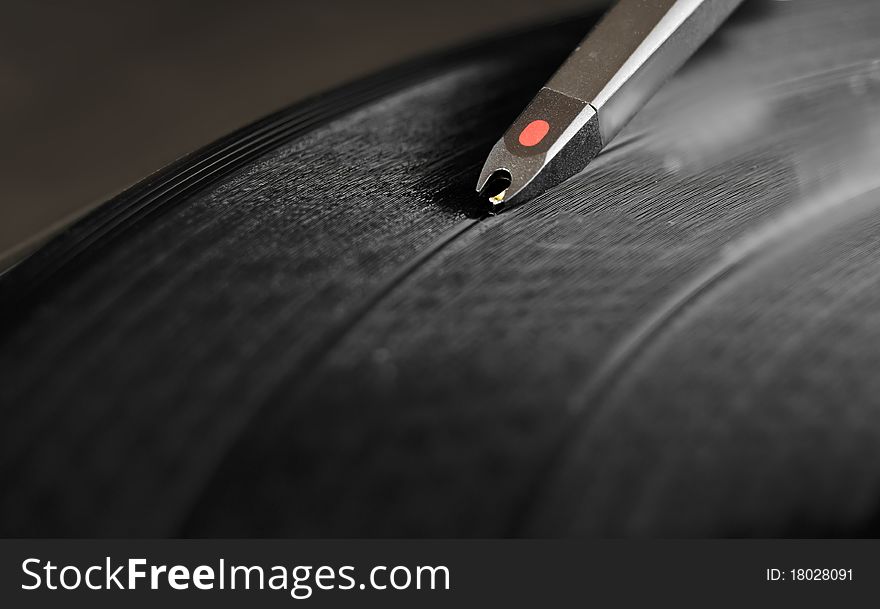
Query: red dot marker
{"x": 534, "y": 132}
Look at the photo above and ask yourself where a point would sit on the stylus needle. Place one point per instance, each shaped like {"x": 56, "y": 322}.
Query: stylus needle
{"x": 636, "y": 46}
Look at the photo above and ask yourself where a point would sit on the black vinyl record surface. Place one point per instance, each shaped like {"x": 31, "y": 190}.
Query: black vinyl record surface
{"x": 309, "y": 329}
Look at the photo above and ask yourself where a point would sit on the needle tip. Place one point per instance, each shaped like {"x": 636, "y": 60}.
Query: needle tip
{"x": 499, "y": 198}
{"x": 495, "y": 188}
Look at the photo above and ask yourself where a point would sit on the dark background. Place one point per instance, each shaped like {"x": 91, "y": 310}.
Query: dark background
{"x": 96, "y": 95}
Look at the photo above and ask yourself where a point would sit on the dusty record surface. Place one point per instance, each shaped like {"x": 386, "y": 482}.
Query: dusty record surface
{"x": 307, "y": 329}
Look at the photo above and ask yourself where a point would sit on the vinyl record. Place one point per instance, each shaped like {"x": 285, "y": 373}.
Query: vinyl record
{"x": 310, "y": 328}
